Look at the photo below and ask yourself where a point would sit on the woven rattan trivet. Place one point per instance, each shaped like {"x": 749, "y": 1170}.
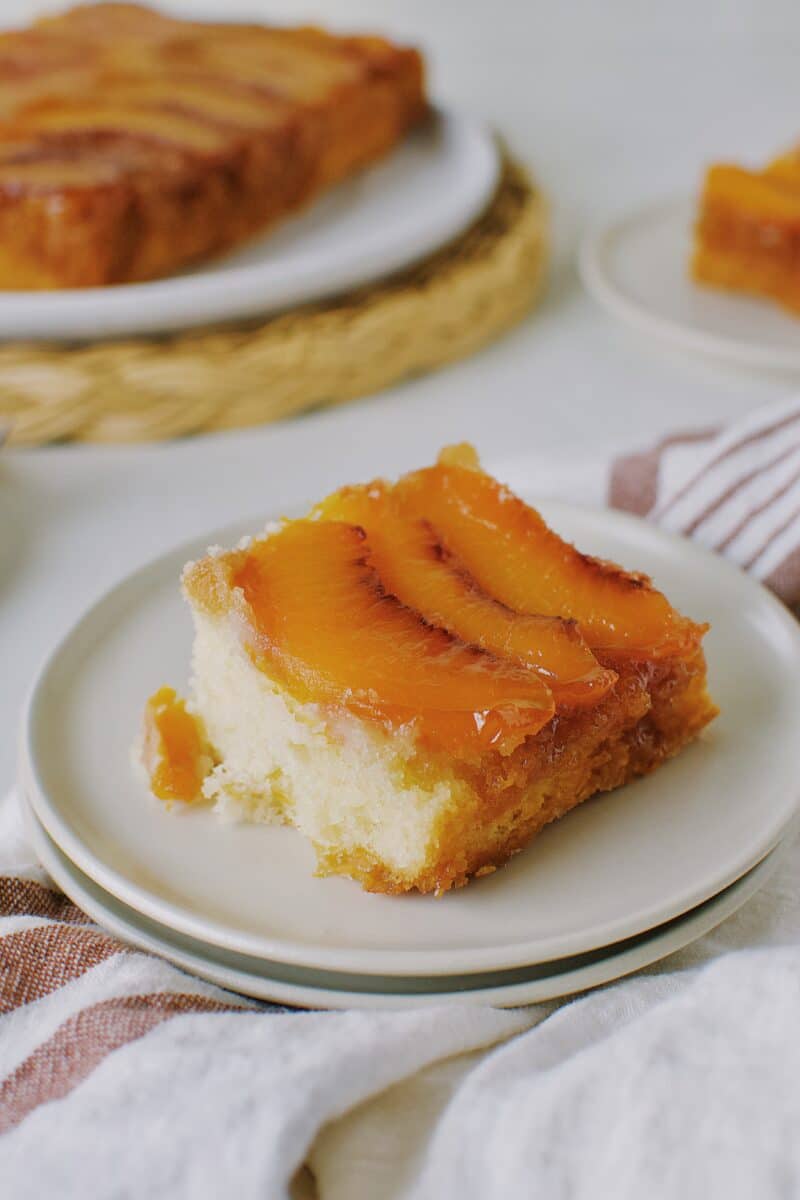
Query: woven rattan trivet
{"x": 145, "y": 389}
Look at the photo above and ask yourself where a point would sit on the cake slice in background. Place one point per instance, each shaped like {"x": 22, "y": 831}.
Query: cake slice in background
{"x": 747, "y": 237}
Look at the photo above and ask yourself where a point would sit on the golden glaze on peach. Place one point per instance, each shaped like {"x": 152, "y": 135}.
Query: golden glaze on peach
{"x": 513, "y": 555}
{"x": 316, "y": 614}
{"x": 414, "y": 565}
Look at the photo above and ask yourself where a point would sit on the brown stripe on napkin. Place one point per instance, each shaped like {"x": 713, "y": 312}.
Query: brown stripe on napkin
{"x": 757, "y": 509}
{"x": 715, "y": 503}
{"x": 84, "y": 1041}
{"x": 790, "y": 518}
{"x": 26, "y": 897}
{"x": 751, "y": 438}
{"x": 35, "y": 962}
{"x": 785, "y": 578}
{"x": 634, "y": 478}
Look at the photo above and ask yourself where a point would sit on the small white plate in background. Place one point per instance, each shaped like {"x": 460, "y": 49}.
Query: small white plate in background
{"x": 638, "y": 269}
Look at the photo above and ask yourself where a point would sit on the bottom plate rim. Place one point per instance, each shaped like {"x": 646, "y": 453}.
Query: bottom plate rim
{"x": 539, "y": 985}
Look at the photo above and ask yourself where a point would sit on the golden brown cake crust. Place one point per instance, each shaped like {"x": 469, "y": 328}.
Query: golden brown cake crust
{"x": 652, "y": 713}
{"x": 132, "y": 144}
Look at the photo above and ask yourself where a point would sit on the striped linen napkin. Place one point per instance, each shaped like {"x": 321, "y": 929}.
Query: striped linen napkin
{"x": 737, "y": 491}
{"x": 122, "y": 1076}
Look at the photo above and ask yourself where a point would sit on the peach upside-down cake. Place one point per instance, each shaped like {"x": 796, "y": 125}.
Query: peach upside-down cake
{"x": 419, "y": 676}
{"x": 747, "y": 237}
{"x": 133, "y": 144}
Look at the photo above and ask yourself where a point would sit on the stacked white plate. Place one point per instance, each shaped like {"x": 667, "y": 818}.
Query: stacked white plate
{"x": 624, "y": 880}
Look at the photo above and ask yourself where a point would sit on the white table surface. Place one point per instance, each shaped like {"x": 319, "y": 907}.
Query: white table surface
{"x": 612, "y": 104}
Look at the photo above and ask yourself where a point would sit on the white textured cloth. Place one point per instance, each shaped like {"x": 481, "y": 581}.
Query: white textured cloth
{"x": 120, "y": 1076}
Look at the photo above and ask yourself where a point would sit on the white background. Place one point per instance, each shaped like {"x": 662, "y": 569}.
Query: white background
{"x": 611, "y": 105}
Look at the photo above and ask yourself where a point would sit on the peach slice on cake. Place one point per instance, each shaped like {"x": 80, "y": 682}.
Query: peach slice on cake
{"x": 316, "y": 614}
{"x": 414, "y": 565}
{"x": 512, "y": 553}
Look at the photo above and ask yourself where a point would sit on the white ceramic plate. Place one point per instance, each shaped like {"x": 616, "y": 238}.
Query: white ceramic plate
{"x": 637, "y": 268}
{"x": 425, "y": 193}
{"x": 616, "y": 867}
{"x": 321, "y": 989}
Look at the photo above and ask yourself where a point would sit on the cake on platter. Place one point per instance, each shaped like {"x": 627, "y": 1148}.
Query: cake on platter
{"x": 133, "y": 144}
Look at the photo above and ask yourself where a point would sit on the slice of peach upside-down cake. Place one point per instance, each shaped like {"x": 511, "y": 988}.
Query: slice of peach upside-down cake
{"x": 419, "y": 677}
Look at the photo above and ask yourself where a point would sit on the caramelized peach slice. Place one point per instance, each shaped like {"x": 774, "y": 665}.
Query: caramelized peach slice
{"x": 416, "y": 568}
{"x": 175, "y": 752}
{"x": 507, "y": 547}
{"x": 316, "y": 617}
